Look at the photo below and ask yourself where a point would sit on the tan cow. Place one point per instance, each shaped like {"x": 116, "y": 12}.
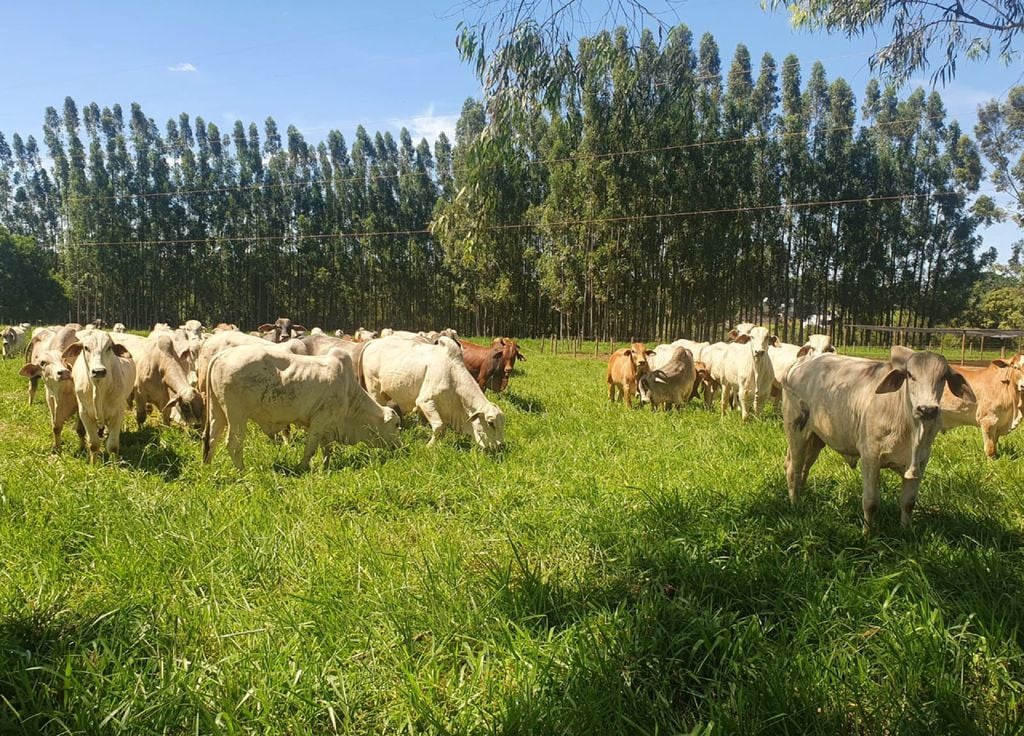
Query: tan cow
{"x": 39, "y": 343}
{"x": 48, "y": 364}
{"x": 884, "y": 414}
{"x": 161, "y": 381}
{"x": 232, "y": 338}
{"x": 276, "y": 389}
{"x": 626, "y": 367}
{"x": 997, "y": 390}
{"x": 104, "y": 377}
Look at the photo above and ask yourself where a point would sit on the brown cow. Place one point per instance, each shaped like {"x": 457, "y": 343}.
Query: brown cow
{"x": 509, "y": 354}
{"x": 997, "y": 388}
{"x": 625, "y": 367}
{"x": 705, "y": 383}
{"x": 483, "y": 363}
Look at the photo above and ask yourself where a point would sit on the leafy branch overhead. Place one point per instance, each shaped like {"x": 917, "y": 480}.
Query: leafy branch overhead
{"x": 951, "y": 28}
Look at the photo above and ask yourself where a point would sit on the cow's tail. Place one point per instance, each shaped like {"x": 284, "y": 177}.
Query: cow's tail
{"x": 801, "y": 419}
{"x": 211, "y": 405}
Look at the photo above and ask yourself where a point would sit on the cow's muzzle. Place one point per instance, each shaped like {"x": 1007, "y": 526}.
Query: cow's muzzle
{"x": 98, "y": 372}
{"x": 926, "y": 413}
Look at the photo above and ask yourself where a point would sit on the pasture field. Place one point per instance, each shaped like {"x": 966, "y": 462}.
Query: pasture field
{"x": 609, "y": 572}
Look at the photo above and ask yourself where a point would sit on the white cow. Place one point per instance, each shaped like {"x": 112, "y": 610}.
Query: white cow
{"x": 39, "y": 343}
{"x": 784, "y": 354}
{"x": 47, "y": 363}
{"x": 743, "y": 328}
{"x": 884, "y": 414}
{"x": 104, "y": 377}
{"x": 434, "y": 380}
{"x": 276, "y": 389}
{"x": 14, "y": 340}
{"x": 745, "y": 370}
{"x": 119, "y": 327}
{"x": 669, "y": 382}
{"x": 229, "y": 338}
{"x": 162, "y": 381}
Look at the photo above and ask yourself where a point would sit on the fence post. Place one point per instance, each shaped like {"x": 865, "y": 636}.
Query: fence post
{"x": 963, "y": 347}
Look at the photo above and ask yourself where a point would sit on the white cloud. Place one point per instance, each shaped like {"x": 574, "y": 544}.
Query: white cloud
{"x": 183, "y": 66}
{"x": 427, "y": 125}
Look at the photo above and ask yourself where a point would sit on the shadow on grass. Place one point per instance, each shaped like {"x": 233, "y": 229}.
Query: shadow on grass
{"x": 528, "y": 404}
{"x": 146, "y": 451}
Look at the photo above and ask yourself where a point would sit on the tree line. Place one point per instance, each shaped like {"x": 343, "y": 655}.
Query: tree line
{"x": 653, "y": 194}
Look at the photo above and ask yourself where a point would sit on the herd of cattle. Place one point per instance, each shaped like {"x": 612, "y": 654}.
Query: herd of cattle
{"x": 355, "y": 388}
{"x": 882, "y": 414}
{"x": 341, "y": 389}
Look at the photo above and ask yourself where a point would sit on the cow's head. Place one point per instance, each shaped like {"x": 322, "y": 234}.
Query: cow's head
{"x": 758, "y": 339}
{"x": 96, "y": 351}
{"x": 9, "y": 338}
{"x": 488, "y": 426}
{"x": 49, "y": 366}
{"x": 509, "y": 350}
{"x": 925, "y": 376}
{"x": 639, "y": 354}
{"x": 188, "y": 407}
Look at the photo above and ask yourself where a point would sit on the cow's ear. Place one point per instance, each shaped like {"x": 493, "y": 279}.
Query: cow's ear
{"x": 999, "y": 363}
{"x": 733, "y": 333}
{"x": 804, "y": 351}
{"x": 831, "y": 349}
{"x": 520, "y": 356}
{"x": 650, "y": 353}
{"x": 774, "y": 341}
{"x": 742, "y": 339}
{"x": 30, "y": 370}
{"x": 476, "y": 415}
{"x": 265, "y": 328}
{"x": 892, "y": 381}
{"x": 174, "y": 400}
{"x": 300, "y": 328}
{"x": 959, "y": 386}
{"x": 628, "y": 352}
{"x": 70, "y": 354}
{"x": 497, "y": 353}
{"x": 185, "y": 352}
{"x": 121, "y": 351}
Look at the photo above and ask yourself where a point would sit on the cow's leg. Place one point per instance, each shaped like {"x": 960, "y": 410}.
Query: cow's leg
{"x": 140, "y": 411}
{"x": 872, "y": 497}
{"x": 726, "y": 397}
{"x": 629, "y": 392}
{"x": 814, "y": 448}
{"x": 908, "y": 499}
{"x": 214, "y": 430}
{"x": 796, "y": 452}
{"x": 114, "y": 433}
{"x": 990, "y": 435}
{"x": 92, "y": 434}
{"x": 236, "y": 440}
{"x": 429, "y": 411}
{"x": 611, "y": 391}
{"x": 33, "y": 386}
{"x": 80, "y": 431}
{"x": 744, "y": 396}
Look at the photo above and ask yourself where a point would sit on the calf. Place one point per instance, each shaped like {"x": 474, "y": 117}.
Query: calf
{"x": 883, "y": 414}
{"x": 161, "y": 381}
{"x": 670, "y": 384}
{"x": 432, "y": 379}
{"x": 745, "y": 370}
{"x": 104, "y": 377}
{"x": 276, "y": 389}
{"x": 626, "y": 367}
{"x": 996, "y": 409}
{"x": 48, "y": 364}
{"x": 39, "y": 343}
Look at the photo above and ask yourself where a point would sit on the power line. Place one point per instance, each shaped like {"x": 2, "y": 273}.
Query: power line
{"x": 528, "y": 225}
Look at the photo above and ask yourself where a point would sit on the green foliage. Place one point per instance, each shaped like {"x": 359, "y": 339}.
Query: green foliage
{"x": 1000, "y": 131}
{"x": 917, "y": 27}
{"x": 611, "y": 572}
{"x": 28, "y": 290}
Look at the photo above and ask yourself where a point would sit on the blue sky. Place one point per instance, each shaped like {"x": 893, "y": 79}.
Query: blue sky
{"x": 323, "y": 65}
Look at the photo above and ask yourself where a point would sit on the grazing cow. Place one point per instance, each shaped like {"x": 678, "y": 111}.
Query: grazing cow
{"x": 119, "y": 327}
{"x": 226, "y": 327}
{"x": 161, "y": 381}
{"x": 281, "y": 330}
{"x": 227, "y": 339}
{"x": 316, "y": 331}
{"x": 704, "y": 384}
{"x": 276, "y": 389}
{"x": 405, "y": 335}
{"x": 671, "y": 379}
{"x": 626, "y": 367}
{"x": 996, "y": 409}
{"x": 483, "y": 363}
{"x": 14, "y": 340}
{"x": 48, "y": 364}
{"x": 364, "y": 335}
{"x": 883, "y": 413}
{"x": 433, "y": 379}
{"x": 104, "y": 377}
{"x": 783, "y": 354}
{"x": 39, "y": 343}
{"x": 745, "y": 370}
{"x": 160, "y": 327}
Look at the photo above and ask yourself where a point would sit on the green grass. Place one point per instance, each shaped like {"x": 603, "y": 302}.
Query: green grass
{"x": 611, "y": 572}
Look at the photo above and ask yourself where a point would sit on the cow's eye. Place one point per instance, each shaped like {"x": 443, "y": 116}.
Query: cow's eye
{"x": 43, "y": 363}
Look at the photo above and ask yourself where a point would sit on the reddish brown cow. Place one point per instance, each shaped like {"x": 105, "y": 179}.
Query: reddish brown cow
{"x": 625, "y": 367}
{"x": 509, "y": 354}
{"x": 483, "y": 363}
{"x": 705, "y": 382}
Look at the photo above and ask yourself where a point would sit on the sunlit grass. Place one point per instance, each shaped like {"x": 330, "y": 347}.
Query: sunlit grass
{"x": 610, "y": 572}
